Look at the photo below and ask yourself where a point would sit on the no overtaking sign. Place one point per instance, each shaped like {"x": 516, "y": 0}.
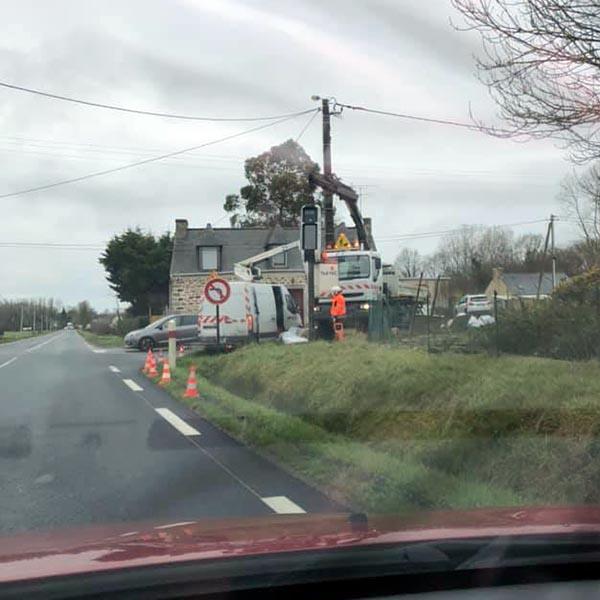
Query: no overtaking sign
{"x": 217, "y": 290}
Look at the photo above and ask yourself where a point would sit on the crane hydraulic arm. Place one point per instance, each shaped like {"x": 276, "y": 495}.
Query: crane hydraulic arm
{"x": 350, "y": 197}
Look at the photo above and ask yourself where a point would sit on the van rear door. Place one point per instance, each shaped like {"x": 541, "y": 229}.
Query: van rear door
{"x": 265, "y": 305}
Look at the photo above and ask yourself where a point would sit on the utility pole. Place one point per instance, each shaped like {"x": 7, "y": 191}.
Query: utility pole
{"x": 33, "y": 316}
{"x": 327, "y": 196}
{"x": 552, "y": 217}
{"x": 539, "y": 287}
{"x": 21, "y": 321}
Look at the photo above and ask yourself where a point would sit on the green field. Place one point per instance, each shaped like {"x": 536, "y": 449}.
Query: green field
{"x": 386, "y": 429}
{"x": 13, "y": 336}
{"x": 103, "y": 341}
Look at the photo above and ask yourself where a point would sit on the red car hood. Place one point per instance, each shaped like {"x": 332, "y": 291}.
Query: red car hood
{"x": 80, "y": 551}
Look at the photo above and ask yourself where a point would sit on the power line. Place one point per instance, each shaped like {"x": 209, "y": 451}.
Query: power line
{"x": 308, "y": 124}
{"x": 434, "y": 234}
{"x": 95, "y": 246}
{"x": 145, "y": 161}
{"x": 463, "y": 124}
{"x": 147, "y": 112}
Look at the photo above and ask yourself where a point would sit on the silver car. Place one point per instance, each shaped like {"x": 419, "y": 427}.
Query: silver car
{"x": 156, "y": 334}
{"x": 473, "y": 304}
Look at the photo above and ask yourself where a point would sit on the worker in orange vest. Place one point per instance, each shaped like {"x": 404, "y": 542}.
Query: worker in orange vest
{"x": 338, "y": 305}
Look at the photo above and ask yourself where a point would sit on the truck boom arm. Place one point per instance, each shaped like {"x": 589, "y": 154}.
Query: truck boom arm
{"x": 350, "y": 197}
{"x": 245, "y": 269}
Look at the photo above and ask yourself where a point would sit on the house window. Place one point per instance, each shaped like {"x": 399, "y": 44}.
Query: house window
{"x": 279, "y": 260}
{"x": 208, "y": 258}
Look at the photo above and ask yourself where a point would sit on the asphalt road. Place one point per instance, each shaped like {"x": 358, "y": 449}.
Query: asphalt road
{"x": 86, "y": 439}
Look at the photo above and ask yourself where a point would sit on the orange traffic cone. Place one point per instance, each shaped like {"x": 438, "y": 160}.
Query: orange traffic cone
{"x": 191, "y": 391}
{"x": 181, "y": 350}
{"x": 149, "y": 360}
{"x": 152, "y": 372}
{"x": 166, "y": 374}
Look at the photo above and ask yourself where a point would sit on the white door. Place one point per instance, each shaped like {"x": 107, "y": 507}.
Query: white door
{"x": 265, "y": 304}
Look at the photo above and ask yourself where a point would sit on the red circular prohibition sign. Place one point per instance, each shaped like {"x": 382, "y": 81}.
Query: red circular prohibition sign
{"x": 217, "y": 290}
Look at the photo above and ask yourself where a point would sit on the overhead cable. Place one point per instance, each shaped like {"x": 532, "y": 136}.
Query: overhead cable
{"x": 143, "y": 162}
{"x": 148, "y": 112}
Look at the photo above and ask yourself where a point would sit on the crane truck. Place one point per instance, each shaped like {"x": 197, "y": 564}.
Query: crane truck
{"x": 355, "y": 267}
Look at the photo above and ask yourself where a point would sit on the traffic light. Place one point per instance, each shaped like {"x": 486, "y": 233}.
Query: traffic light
{"x": 310, "y": 228}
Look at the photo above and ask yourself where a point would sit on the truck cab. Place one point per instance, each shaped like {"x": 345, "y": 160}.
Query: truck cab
{"x": 360, "y": 275}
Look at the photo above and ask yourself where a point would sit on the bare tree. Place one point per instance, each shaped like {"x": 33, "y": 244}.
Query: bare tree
{"x": 541, "y": 63}
{"x": 580, "y": 195}
{"x": 409, "y": 263}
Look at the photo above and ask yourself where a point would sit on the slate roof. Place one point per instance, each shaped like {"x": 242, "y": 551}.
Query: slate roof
{"x": 525, "y": 284}
{"x": 237, "y": 244}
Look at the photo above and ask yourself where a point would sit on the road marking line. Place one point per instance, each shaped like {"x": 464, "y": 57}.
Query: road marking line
{"x": 283, "y": 505}
{"x": 175, "y": 524}
{"x": 8, "y": 362}
{"x": 52, "y": 339}
{"x": 178, "y": 423}
{"x": 132, "y": 385}
{"x": 114, "y": 369}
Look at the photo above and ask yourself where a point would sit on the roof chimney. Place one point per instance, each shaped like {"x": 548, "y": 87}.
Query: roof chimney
{"x": 181, "y": 227}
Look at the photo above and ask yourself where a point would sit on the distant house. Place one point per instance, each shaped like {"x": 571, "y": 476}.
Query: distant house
{"x": 521, "y": 286}
{"x": 198, "y": 252}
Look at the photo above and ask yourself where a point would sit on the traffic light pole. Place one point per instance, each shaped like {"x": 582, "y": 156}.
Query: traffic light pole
{"x": 327, "y": 196}
{"x": 310, "y": 261}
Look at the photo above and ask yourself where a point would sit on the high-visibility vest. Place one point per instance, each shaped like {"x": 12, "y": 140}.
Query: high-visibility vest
{"x": 338, "y": 306}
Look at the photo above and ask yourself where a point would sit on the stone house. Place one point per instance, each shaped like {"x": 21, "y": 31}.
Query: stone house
{"x": 520, "y": 286}
{"x": 197, "y": 252}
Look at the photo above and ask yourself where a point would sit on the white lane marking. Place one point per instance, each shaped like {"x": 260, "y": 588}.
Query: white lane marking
{"x": 132, "y": 385}
{"x": 175, "y": 524}
{"x": 52, "y": 339}
{"x": 8, "y": 362}
{"x": 283, "y": 505}
{"x": 129, "y": 533}
{"x": 178, "y": 423}
{"x": 114, "y": 369}
{"x": 98, "y": 351}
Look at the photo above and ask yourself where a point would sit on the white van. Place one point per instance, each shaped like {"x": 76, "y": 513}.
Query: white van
{"x": 253, "y": 311}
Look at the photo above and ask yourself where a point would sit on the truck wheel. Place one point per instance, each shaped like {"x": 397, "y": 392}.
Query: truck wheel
{"x": 146, "y": 344}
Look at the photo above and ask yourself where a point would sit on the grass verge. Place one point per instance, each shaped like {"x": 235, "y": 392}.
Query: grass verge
{"x": 347, "y": 470}
{"x": 386, "y": 428}
{"x": 103, "y": 341}
{"x": 14, "y": 336}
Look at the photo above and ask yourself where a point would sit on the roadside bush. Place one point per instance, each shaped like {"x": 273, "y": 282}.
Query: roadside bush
{"x": 553, "y": 328}
{"x": 101, "y": 327}
{"x": 127, "y": 324}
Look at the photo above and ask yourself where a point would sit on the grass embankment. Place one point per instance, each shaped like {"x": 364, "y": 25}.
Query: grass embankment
{"x": 387, "y": 429}
{"x": 103, "y": 341}
{"x": 13, "y": 336}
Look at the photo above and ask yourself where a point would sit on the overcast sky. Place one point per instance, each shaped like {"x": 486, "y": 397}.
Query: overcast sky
{"x": 244, "y": 58}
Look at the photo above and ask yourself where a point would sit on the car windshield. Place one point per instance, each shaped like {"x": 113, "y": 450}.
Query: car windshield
{"x": 376, "y": 225}
{"x": 353, "y": 267}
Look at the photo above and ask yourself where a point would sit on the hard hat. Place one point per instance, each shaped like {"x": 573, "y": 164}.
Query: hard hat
{"x": 336, "y": 289}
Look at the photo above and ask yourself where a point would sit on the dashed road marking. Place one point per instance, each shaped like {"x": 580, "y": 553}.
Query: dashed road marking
{"x": 8, "y": 362}
{"x": 132, "y": 385}
{"x": 283, "y": 505}
{"x": 114, "y": 369}
{"x": 177, "y": 422}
